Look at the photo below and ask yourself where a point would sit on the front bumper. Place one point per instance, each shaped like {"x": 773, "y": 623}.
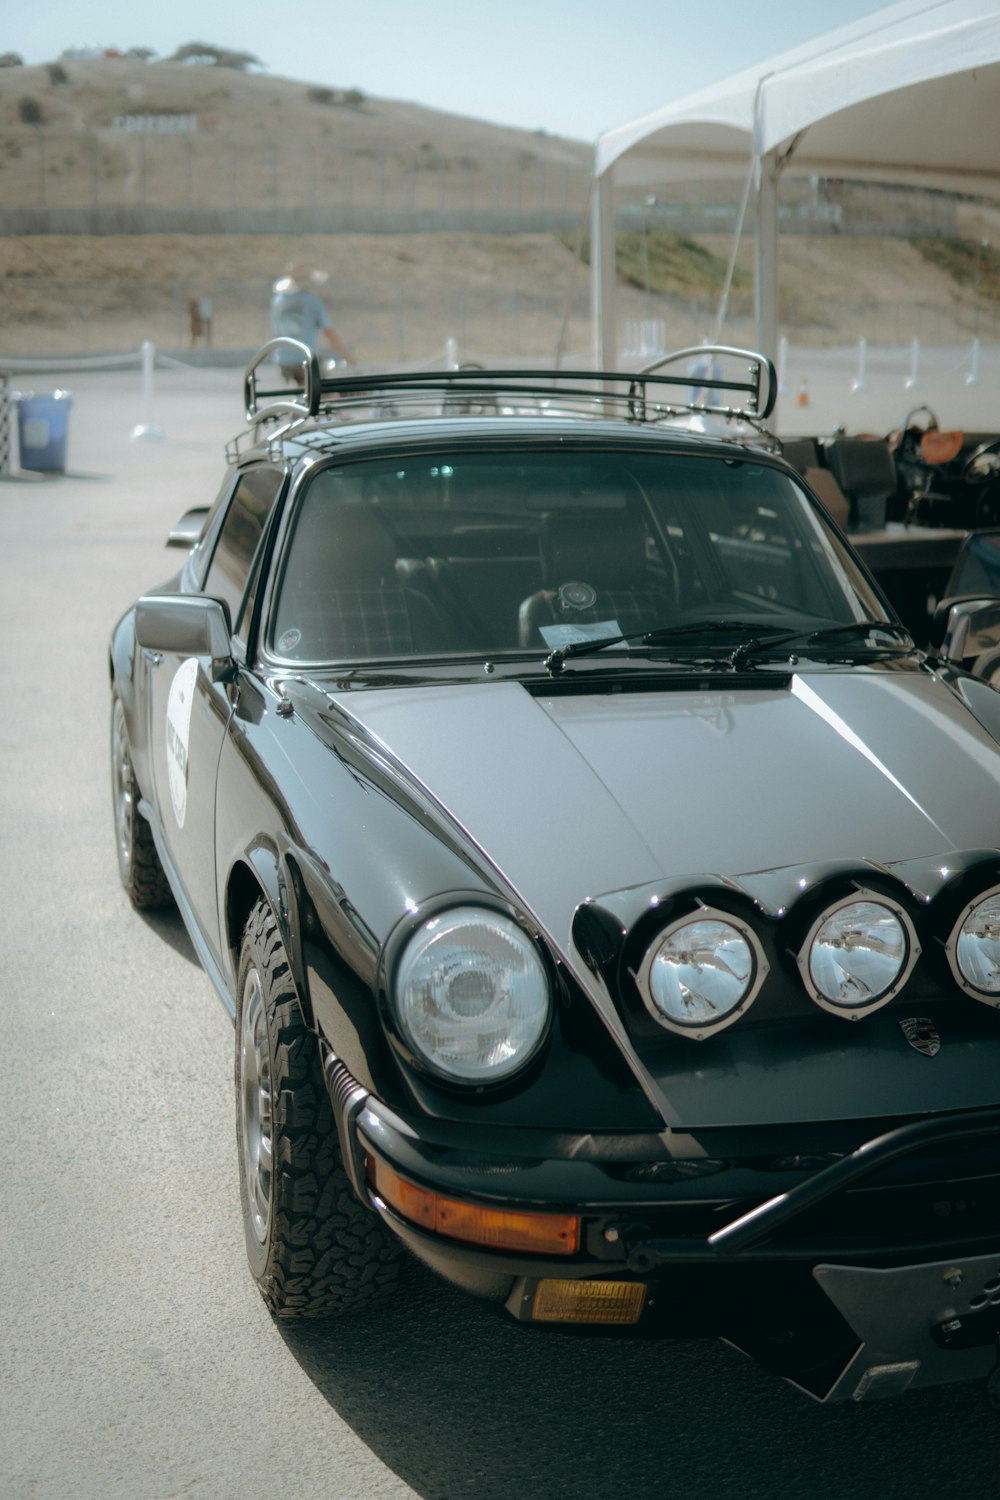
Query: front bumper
{"x": 843, "y": 1316}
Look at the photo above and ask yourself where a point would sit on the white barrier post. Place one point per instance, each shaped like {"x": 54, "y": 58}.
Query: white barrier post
{"x": 782, "y": 364}
{"x": 451, "y": 354}
{"x": 147, "y": 430}
{"x": 973, "y": 376}
{"x": 858, "y": 383}
{"x": 911, "y": 382}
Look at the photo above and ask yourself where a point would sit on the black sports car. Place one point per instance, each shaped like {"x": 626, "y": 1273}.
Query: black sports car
{"x": 605, "y": 889}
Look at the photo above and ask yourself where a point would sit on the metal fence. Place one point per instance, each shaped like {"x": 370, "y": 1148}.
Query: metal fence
{"x": 131, "y": 183}
{"x": 545, "y": 180}
{"x": 399, "y": 320}
{"x": 52, "y": 316}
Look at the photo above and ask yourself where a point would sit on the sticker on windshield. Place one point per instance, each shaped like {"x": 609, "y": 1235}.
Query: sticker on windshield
{"x": 568, "y": 635}
{"x": 179, "y": 733}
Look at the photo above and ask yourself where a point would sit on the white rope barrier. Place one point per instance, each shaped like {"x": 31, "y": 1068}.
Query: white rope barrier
{"x": 16, "y": 365}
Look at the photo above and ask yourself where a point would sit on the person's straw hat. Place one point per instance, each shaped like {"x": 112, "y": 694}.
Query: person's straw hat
{"x": 300, "y": 274}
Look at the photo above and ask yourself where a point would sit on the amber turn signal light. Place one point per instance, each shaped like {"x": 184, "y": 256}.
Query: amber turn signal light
{"x": 494, "y": 1228}
{"x": 588, "y": 1302}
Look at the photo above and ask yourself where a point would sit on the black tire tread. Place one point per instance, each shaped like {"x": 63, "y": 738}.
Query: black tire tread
{"x": 148, "y": 886}
{"x": 328, "y": 1254}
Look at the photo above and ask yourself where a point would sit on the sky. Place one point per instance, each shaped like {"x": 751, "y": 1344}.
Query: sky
{"x": 570, "y": 67}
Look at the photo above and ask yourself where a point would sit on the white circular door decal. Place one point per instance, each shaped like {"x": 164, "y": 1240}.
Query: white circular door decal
{"x": 179, "y": 733}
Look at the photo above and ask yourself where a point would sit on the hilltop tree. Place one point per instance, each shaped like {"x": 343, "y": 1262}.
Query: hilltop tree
{"x": 205, "y": 55}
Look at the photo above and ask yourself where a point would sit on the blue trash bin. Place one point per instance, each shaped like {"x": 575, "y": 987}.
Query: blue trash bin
{"x": 42, "y": 430}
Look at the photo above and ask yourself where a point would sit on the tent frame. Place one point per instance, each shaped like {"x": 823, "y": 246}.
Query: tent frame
{"x": 917, "y": 63}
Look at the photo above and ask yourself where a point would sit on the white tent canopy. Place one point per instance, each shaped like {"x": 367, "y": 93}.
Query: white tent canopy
{"x": 909, "y": 94}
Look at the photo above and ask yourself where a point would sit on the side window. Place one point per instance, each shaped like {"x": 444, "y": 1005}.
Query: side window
{"x": 239, "y": 538}
{"x": 201, "y": 553}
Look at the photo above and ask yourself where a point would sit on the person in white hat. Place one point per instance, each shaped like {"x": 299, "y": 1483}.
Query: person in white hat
{"x": 297, "y": 312}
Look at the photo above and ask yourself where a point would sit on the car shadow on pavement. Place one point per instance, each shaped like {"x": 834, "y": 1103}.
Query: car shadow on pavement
{"x": 168, "y": 925}
{"x": 465, "y": 1405}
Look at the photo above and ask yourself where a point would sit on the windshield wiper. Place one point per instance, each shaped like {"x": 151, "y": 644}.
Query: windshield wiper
{"x": 900, "y": 636}
{"x": 762, "y": 639}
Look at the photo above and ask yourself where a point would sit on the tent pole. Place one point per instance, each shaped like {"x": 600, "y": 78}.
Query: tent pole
{"x": 720, "y": 316}
{"x": 766, "y": 270}
{"x": 602, "y": 273}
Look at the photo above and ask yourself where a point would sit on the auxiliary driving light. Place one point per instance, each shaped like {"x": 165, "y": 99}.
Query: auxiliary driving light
{"x": 589, "y": 1302}
{"x": 475, "y": 1223}
{"x": 974, "y": 947}
{"x": 701, "y": 972}
{"x": 858, "y": 954}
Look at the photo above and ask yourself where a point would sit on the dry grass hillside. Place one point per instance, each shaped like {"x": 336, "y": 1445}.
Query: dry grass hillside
{"x": 273, "y": 147}
{"x": 259, "y": 141}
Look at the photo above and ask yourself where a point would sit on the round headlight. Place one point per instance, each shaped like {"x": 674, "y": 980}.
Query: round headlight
{"x": 857, "y": 955}
{"x": 701, "y": 973}
{"x": 974, "y": 947}
{"x": 471, "y": 995}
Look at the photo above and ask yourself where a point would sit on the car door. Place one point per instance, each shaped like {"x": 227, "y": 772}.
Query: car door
{"x": 190, "y": 711}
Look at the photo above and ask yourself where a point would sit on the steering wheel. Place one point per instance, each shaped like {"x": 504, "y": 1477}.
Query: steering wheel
{"x": 909, "y": 421}
{"x": 983, "y": 463}
{"x": 904, "y": 441}
{"x": 982, "y": 468}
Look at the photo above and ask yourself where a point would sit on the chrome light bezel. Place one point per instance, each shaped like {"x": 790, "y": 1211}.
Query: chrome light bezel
{"x": 860, "y": 895}
{"x": 698, "y": 1031}
{"x": 951, "y": 948}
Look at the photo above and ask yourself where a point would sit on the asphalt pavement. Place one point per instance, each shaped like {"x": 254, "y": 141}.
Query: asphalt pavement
{"x": 137, "y": 1361}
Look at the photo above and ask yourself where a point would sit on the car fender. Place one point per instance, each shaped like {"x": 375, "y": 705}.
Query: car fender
{"x": 273, "y": 873}
{"x": 122, "y": 668}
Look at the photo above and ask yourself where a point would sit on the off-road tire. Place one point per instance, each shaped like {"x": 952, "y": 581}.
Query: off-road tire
{"x": 314, "y": 1249}
{"x": 139, "y": 865}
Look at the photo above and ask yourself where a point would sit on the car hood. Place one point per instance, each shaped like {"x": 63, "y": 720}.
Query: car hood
{"x": 569, "y": 796}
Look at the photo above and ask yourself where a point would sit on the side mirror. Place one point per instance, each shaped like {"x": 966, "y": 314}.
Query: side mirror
{"x": 187, "y": 625}
{"x": 189, "y": 528}
{"x": 965, "y": 627}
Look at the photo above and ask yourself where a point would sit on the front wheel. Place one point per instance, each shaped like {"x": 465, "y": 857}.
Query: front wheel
{"x": 138, "y": 862}
{"x": 313, "y": 1248}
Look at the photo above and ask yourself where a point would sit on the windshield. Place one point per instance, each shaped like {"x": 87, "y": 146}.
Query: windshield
{"x": 507, "y": 552}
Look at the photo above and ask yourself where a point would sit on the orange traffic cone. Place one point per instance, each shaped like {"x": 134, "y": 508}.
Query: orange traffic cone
{"x": 802, "y": 399}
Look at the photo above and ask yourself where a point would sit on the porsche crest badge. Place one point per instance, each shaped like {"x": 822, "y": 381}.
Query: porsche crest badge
{"x": 922, "y": 1035}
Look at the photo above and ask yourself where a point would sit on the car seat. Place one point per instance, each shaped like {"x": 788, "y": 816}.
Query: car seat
{"x": 341, "y": 596}
{"x": 594, "y": 569}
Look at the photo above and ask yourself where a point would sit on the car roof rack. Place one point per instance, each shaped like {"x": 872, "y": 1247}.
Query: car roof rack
{"x": 748, "y": 394}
